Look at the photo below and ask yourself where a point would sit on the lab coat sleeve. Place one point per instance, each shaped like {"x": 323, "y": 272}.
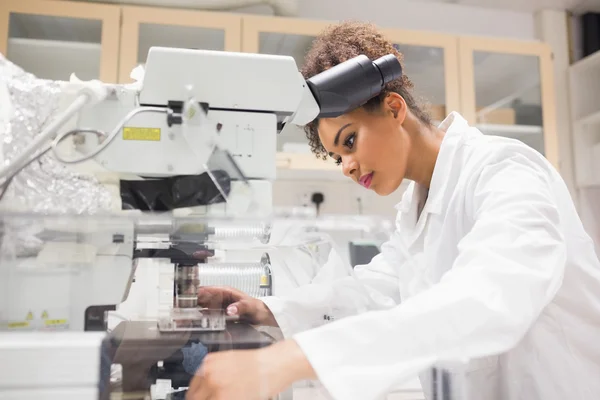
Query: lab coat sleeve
{"x": 509, "y": 267}
{"x": 373, "y": 286}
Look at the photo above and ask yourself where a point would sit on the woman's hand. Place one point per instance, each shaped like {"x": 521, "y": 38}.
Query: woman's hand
{"x": 237, "y": 303}
{"x": 250, "y": 374}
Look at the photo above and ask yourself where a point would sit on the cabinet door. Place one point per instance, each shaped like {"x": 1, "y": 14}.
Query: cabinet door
{"x": 431, "y": 63}
{"x": 144, "y": 27}
{"x": 52, "y": 39}
{"x": 430, "y": 60}
{"x": 507, "y": 90}
{"x": 288, "y": 37}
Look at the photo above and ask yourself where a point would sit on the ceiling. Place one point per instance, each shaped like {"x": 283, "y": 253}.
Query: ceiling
{"x": 576, "y": 6}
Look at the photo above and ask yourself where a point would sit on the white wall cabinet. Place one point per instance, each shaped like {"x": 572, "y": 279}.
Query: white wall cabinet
{"x": 507, "y": 89}
{"x": 144, "y": 27}
{"x": 53, "y": 39}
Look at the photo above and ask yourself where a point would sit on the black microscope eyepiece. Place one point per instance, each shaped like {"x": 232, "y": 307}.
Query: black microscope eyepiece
{"x": 352, "y": 83}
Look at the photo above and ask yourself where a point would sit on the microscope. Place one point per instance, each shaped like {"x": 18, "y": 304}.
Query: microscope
{"x": 194, "y": 150}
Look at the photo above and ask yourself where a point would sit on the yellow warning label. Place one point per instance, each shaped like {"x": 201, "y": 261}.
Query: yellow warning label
{"x": 29, "y": 316}
{"x": 15, "y": 325}
{"x": 264, "y": 280}
{"x": 133, "y": 133}
{"x": 54, "y": 322}
{"x": 45, "y": 315}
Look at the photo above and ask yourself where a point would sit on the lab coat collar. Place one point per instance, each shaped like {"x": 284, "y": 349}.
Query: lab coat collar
{"x": 455, "y": 126}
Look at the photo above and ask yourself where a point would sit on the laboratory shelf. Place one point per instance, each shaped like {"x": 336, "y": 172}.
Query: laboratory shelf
{"x": 521, "y": 132}
{"x": 286, "y": 174}
{"x": 531, "y": 135}
{"x": 584, "y": 80}
{"x": 586, "y": 141}
{"x": 512, "y": 131}
{"x": 587, "y": 63}
{"x": 590, "y": 119}
{"x": 303, "y": 166}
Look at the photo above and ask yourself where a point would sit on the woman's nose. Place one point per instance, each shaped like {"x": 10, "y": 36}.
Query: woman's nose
{"x": 349, "y": 166}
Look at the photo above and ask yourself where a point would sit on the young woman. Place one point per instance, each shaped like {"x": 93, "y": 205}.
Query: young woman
{"x": 489, "y": 263}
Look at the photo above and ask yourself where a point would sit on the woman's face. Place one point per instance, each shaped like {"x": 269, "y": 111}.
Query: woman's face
{"x": 372, "y": 147}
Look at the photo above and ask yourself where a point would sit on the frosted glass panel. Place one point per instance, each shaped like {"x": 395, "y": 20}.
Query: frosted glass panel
{"x": 55, "y": 47}
{"x": 508, "y": 96}
{"x": 291, "y": 139}
{"x": 186, "y": 37}
{"x": 285, "y": 44}
{"x": 424, "y": 66}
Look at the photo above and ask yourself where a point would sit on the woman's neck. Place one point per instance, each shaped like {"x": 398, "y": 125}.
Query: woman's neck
{"x": 425, "y": 143}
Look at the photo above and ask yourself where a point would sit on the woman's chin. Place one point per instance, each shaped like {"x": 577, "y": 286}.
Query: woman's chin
{"x": 384, "y": 190}
{"x": 380, "y": 191}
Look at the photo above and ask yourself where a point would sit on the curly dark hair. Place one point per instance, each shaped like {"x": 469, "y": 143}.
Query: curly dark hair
{"x": 346, "y": 40}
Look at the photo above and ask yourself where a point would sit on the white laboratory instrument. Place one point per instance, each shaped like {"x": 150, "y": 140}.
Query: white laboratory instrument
{"x": 199, "y": 134}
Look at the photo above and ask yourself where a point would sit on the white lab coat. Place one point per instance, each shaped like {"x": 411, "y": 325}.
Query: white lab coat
{"x": 500, "y": 271}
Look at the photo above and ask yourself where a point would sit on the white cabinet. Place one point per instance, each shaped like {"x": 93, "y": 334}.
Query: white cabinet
{"x": 507, "y": 89}
{"x": 144, "y": 27}
{"x": 53, "y": 39}
{"x": 584, "y": 78}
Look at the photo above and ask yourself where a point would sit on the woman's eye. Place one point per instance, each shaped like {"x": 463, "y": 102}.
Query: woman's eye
{"x": 349, "y": 142}
{"x": 338, "y": 161}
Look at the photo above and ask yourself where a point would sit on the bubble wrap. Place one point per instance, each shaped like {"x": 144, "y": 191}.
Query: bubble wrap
{"x": 46, "y": 185}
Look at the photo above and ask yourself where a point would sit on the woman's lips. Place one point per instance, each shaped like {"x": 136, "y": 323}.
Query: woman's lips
{"x": 366, "y": 180}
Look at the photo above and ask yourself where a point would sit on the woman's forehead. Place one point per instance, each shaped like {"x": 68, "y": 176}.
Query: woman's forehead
{"x": 330, "y": 126}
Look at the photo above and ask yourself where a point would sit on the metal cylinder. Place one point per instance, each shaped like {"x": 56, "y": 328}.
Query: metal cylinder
{"x": 186, "y": 286}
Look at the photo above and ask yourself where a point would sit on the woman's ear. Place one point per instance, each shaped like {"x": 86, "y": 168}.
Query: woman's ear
{"x": 395, "y": 104}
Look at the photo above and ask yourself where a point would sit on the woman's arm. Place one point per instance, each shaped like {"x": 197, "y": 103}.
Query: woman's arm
{"x": 373, "y": 286}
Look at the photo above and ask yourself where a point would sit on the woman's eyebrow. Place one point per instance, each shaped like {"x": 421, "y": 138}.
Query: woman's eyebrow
{"x": 337, "y": 136}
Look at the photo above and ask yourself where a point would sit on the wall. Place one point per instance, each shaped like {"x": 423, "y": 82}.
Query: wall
{"x": 342, "y": 196}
